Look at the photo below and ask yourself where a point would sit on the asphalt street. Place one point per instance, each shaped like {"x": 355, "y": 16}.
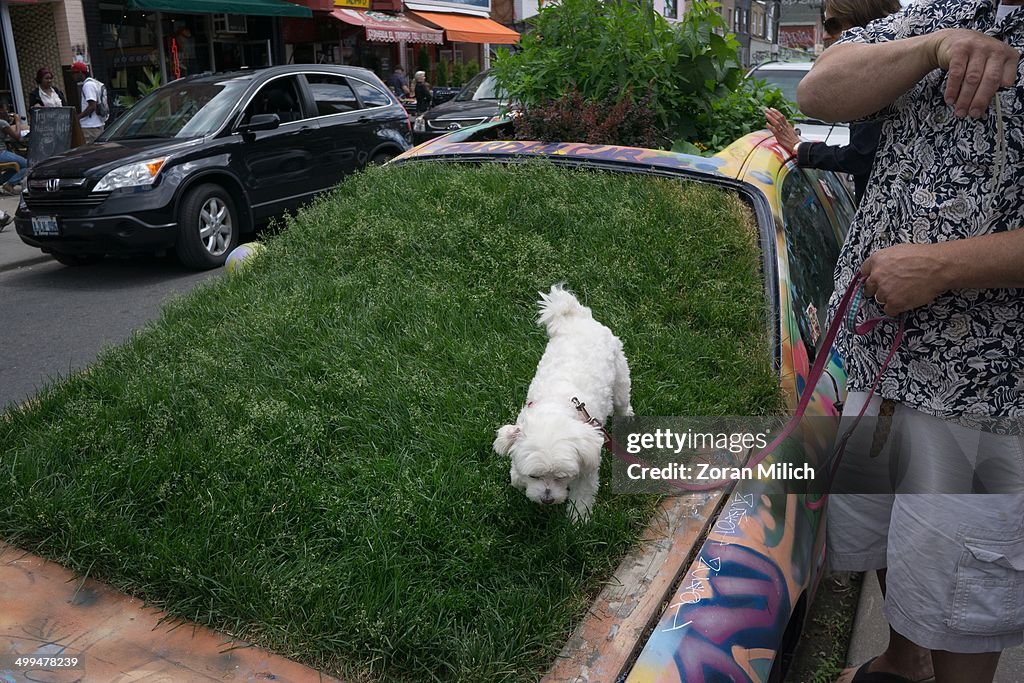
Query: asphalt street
{"x": 54, "y": 320}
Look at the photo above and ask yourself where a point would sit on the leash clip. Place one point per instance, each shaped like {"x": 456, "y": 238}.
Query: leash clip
{"x": 582, "y": 408}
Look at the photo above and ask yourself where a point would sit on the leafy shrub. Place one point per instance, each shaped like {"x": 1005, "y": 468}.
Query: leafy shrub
{"x": 617, "y": 48}
{"x": 741, "y": 111}
{"x": 423, "y": 61}
{"x": 613, "y": 120}
{"x": 443, "y": 73}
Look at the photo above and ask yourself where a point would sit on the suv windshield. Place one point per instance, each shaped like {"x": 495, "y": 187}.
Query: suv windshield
{"x": 482, "y": 87}
{"x": 183, "y": 110}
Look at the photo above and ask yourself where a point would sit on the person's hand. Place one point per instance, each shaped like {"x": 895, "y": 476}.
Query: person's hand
{"x": 977, "y": 65}
{"x": 782, "y": 129}
{"x": 905, "y": 276}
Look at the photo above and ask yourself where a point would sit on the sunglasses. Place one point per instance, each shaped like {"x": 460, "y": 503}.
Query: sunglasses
{"x": 834, "y": 26}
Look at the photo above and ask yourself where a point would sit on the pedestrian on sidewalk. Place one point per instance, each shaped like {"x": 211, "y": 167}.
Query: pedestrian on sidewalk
{"x": 45, "y": 94}
{"x": 424, "y": 95}
{"x": 938, "y": 238}
{"x": 858, "y": 157}
{"x": 93, "y": 105}
{"x": 10, "y": 131}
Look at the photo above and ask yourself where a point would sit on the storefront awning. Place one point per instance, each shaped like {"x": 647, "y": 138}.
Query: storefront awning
{"x": 389, "y": 28}
{"x": 462, "y": 29}
{"x": 266, "y": 8}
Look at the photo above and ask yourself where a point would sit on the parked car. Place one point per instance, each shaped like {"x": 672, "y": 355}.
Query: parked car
{"x": 204, "y": 160}
{"x": 757, "y": 549}
{"x": 786, "y": 76}
{"x": 478, "y": 102}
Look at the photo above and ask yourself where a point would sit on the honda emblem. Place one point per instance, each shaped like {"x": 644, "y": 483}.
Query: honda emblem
{"x": 53, "y": 185}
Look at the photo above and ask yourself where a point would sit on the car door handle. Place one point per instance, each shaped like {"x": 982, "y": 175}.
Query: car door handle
{"x": 363, "y": 119}
{"x": 305, "y": 130}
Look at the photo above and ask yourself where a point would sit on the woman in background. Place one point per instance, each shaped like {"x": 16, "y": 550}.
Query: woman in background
{"x": 424, "y": 96}
{"x": 45, "y": 94}
{"x": 858, "y": 157}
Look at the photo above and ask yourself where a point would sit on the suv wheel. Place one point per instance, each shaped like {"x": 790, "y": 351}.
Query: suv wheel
{"x": 208, "y": 227}
{"x": 381, "y": 158}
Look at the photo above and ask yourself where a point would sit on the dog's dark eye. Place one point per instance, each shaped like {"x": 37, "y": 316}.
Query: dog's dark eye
{"x": 533, "y": 477}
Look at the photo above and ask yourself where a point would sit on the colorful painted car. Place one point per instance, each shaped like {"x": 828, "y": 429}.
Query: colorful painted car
{"x": 735, "y": 607}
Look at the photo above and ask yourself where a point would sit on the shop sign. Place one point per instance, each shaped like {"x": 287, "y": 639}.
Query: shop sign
{"x": 358, "y": 4}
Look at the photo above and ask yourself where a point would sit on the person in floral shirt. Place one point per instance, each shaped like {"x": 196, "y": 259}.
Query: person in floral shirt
{"x": 938, "y": 238}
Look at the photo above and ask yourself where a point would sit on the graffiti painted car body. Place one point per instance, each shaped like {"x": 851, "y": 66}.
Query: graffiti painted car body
{"x": 756, "y": 561}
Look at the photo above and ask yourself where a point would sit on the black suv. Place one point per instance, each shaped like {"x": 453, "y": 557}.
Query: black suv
{"x": 207, "y": 158}
{"x": 479, "y": 102}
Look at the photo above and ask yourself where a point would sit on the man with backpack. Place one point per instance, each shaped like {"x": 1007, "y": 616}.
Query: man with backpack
{"x": 94, "y": 109}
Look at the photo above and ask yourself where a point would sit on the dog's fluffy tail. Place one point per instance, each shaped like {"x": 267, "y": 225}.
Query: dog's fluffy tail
{"x": 558, "y": 306}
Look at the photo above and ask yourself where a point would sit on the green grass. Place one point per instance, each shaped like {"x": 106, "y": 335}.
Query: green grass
{"x": 299, "y": 453}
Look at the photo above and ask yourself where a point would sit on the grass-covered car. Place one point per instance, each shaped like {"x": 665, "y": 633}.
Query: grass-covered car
{"x": 300, "y": 453}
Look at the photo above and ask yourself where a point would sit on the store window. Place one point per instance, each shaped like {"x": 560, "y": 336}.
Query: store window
{"x": 130, "y": 47}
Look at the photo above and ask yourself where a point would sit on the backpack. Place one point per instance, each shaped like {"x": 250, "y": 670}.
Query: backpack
{"x": 102, "y": 105}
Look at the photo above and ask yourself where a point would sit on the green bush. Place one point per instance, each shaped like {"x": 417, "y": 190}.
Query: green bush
{"x": 615, "y": 48}
{"x": 472, "y": 68}
{"x": 443, "y": 73}
{"x": 612, "y": 121}
{"x": 423, "y": 61}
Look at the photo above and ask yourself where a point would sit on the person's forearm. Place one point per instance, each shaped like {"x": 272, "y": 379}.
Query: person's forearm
{"x": 836, "y": 88}
{"x": 984, "y": 262}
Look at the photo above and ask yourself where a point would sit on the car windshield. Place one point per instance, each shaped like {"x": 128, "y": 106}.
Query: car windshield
{"x": 482, "y": 87}
{"x": 184, "y": 110}
{"x": 785, "y": 79}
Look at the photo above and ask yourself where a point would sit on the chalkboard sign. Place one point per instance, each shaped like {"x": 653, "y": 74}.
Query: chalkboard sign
{"x": 52, "y": 132}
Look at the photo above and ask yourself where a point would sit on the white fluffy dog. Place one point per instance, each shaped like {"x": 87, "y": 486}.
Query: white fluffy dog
{"x": 556, "y": 456}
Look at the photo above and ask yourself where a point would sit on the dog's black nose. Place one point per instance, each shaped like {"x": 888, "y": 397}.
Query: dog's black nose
{"x": 547, "y": 500}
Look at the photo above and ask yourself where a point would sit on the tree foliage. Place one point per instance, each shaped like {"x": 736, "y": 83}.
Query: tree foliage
{"x": 618, "y": 48}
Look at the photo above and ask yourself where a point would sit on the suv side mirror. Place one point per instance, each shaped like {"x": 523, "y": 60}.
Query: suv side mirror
{"x": 261, "y": 122}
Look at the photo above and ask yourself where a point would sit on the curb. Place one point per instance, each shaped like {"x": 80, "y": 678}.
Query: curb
{"x": 24, "y": 263}
{"x": 605, "y": 643}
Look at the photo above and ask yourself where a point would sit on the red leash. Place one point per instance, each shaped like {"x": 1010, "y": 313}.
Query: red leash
{"x": 846, "y": 313}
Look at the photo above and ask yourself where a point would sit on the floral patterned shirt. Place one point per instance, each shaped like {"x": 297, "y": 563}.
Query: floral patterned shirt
{"x": 937, "y": 178}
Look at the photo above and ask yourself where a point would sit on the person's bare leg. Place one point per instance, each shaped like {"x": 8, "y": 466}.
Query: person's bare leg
{"x": 901, "y": 657}
{"x": 956, "y": 667}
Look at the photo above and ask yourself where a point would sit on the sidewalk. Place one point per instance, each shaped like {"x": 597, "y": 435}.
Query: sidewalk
{"x": 49, "y": 612}
{"x": 871, "y": 635}
{"x": 13, "y": 252}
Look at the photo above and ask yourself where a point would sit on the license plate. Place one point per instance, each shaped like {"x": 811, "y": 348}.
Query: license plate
{"x": 44, "y": 225}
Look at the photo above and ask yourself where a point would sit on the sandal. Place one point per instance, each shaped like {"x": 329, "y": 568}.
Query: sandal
{"x": 865, "y": 676}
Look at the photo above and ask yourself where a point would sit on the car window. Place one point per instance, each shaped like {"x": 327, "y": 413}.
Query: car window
{"x": 182, "y": 110}
{"x": 483, "y": 86}
{"x": 842, "y": 202}
{"x": 371, "y": 96}
{"x": 812, "y": 249}
{"x": 280, "y": 96}
{"x": 333, "y": 94}
{"x": 785, "y": 79}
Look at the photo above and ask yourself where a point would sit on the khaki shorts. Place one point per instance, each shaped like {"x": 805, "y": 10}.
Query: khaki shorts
{"x": 91, "y": 134}
{"x": 955, "y": 578}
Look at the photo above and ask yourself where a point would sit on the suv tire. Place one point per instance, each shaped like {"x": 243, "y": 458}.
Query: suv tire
{"x": 208, "y": 227}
